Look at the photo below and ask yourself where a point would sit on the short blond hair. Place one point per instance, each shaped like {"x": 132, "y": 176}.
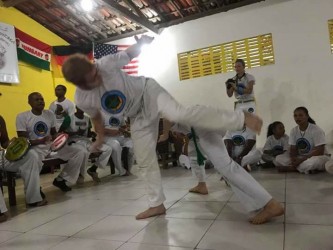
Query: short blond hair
{"x": 76, "y": 67}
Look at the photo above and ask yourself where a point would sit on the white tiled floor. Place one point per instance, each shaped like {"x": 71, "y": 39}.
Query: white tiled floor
{"x": 102, "y": 216}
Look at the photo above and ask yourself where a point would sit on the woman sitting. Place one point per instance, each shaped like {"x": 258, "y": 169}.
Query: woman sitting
{"x": 307, "y": 146}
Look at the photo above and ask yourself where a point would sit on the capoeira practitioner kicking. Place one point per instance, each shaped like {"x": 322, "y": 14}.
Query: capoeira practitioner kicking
{"x": 105, "y": 86}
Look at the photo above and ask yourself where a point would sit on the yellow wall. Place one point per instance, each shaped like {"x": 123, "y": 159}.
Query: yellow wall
{"x": 13, "y": 98}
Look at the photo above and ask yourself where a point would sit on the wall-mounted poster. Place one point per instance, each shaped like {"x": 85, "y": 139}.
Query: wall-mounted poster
{"x": 8, "y": 55}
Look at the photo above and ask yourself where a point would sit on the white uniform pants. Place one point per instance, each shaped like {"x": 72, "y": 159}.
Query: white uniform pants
{"x": 3, "y": 207}
{"x": 253, "y": 157}
{"x": 116, "y": 154}
{"x": 197, "y": 170}
{"x": 144, "y": 128}
{"x": 29, "y": 167}
{"x": 313, "y": 163}
{"x": 126, "y": 142}
{"x": 101, "y": 161}
{"x": 76, "y": 157}
{"x": 249, "y": 192}
{"x": 269, "y": 158}
{"x": 246, "y": 106}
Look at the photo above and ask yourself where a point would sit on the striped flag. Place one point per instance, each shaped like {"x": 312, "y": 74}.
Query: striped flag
{"x": 101, "y": 49}
{"x": 32, "y": 51}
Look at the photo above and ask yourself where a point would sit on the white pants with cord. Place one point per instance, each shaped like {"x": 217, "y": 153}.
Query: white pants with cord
{"x": 248, "y": 191}
{"x": 144, "y": 128}
{"x": 116, "y": 154}
{"x": 29, "y": 168}
{"x": 74, "y": 155}
{"x": 197, "y": 170}
{"x": 313, "y": 163}
{"x": 248, "y": 106}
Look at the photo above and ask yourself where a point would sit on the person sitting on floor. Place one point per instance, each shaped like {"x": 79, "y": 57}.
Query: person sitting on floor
{"x": 241, "y": 147}
{"x": 276, "y": 143}
{"x": 307, "y": 146}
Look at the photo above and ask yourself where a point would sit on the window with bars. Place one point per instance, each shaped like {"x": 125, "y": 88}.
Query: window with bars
{"x": 255, "y": 51}
{"x": 330, "y": 29}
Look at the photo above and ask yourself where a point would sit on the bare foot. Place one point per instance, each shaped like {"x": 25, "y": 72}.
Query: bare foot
{"x": 272, "y": 209}
{"x": 201, "y": 188}
{"x": 151, "y": 212}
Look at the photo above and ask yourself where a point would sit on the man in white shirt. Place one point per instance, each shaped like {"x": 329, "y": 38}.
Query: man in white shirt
{"x": 115, "y": 137}
{"x": 78, "y": 127}
{"x": 103, "y": 86}
{"x": 38, "y": 125}
{"x": 28, "y": 167}
{"x": 62, "y": 106}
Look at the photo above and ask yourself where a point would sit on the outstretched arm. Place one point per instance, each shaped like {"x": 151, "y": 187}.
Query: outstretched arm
{"x": 134, "y": 50}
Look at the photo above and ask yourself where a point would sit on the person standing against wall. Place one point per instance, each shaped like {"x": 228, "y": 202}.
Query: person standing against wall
{"x": 241, "y": 85}
{"x": 62, "y": 106}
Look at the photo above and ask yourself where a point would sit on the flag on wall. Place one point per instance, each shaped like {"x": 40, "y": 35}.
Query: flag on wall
{"x": 60, "y": 54}
{"x": 101, "y": 49}
{"x": 32, "y": 51}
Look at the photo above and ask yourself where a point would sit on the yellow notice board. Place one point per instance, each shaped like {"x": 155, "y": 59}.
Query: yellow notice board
{"x": 255, "y": 51}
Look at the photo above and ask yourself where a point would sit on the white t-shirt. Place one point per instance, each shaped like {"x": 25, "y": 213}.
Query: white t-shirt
{"x": 113, "y": 121}
{"x": 244, "y": 81}
{"x": 239, "y": 138}
{"x": 37, "y": 126}
{"x": 306, "y": 140}
{"x": 277, "y": 144}
{"x": 75, "y": 124}
{"x": 119, "y": 94}
{"x": 67, "y": 106}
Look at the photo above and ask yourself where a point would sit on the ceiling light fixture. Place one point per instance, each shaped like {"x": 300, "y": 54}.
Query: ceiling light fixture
{"x": 87, "y": 5}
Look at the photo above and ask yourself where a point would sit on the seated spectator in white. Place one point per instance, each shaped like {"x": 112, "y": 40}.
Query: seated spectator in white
{"x": 78, "y": 127}
{"x": 62, "y": 106}
{"x": 117, "y": 137}
{"x": 241, "y": 147}
{"x": 307, "y": 146}
{"x": 276, "y": 143}
{"x": 29, "y": 168}
{"x": 38, "y": 125}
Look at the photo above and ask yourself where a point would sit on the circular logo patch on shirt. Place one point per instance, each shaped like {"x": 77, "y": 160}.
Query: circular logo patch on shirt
{"x": 40, "y": 129}
{"x": 113, "y": 101}
{"x": 114, "y": 122}
{"x": 250, "y": 110}
{"x": 303, "y": 146}
{"x": 238, "y": 140}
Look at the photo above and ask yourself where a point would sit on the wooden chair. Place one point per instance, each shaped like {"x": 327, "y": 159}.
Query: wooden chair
{"x": 8, "y": 179}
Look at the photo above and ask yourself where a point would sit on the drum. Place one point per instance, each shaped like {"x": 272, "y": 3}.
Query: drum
{"x": 59, "y": 142}
{"x": 17, "y": 149}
